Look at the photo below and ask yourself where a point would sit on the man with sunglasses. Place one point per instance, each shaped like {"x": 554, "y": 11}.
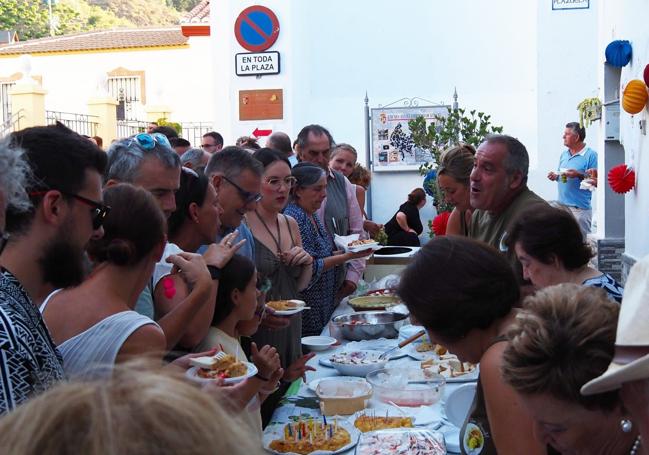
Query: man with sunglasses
{"x": 46, "y": 250}
{"x": 148, "y": 161}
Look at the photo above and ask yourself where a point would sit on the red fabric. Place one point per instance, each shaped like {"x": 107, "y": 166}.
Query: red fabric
{"x": 621, "y": 178}
{"x": 440, "y": 222}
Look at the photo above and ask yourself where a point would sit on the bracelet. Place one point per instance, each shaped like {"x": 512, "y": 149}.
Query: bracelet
{"x": 259, "y": 376}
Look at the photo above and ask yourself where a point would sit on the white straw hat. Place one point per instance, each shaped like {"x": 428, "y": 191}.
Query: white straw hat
{"x": 631, "y": 360}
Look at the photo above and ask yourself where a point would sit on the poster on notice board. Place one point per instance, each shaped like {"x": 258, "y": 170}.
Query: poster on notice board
{"x": 392, "y": 146}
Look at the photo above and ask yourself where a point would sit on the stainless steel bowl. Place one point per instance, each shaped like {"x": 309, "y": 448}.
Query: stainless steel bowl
{"x": 370, "y": 325}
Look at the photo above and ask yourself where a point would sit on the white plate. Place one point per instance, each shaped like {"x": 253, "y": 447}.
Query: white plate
{"x": 192, "y": 374}
{"x": 380, "y": 344}
{"x": 411, "y": 351}
{"x": 458, "y": 404}
{"x": 313, "y": 384}
{"x": 318, "y": 343}
{"x": 468, "y": 377}
{"x": 301, "y": 304}
{"x": 273, "y": 432}
{"x": 374, "y": 246}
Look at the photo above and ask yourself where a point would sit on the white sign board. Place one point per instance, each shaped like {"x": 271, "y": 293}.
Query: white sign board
{"x": 256, "y": 63}
{"x": 392, "y": 145}
{"x": 570, "y": 4}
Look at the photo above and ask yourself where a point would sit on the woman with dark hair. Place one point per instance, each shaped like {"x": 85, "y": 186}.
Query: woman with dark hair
{"x": 405, "y": 226}
{"x": 307, "y": 194}
{"x": 453, "y": 174}
{"x": 551, "y": 250}
{"x": 94, "y": 324}
{"x": 563, "y": 338}
{"x": 464, "y": 292}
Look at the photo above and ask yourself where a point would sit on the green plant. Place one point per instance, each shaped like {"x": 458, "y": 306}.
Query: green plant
{"x": 589, "y": 109}
{"x": 459, "y": 125}
{"x": 164, "y": 122}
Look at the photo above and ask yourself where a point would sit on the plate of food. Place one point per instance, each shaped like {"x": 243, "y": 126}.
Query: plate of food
{"x": 402, "y": 441}
{"x": 357, "y": 363}
{"x": 425, "y": 350}
{"x": 361, "y": 245}
{"x": 222, "y": 366}
{"x": 373, "y": 420}
{"x": 286, "y": 307}
{"x": 311, "y": 436}
{"x": 377, "y": 292}
{"x": 379, "y": 344}
{"x": 450, "y": 367}
{"x": 373, "y": 302}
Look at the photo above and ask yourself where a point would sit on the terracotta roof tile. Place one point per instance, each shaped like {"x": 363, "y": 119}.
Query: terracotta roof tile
{"x": 101, "y": 39}
{"x": 199, "y": 14}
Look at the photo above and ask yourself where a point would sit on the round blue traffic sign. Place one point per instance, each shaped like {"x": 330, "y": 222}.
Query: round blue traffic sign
{"x": 256, "y": 28}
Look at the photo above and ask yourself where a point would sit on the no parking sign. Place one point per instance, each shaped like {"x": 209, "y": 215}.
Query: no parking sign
{"x": 256, "y": 28}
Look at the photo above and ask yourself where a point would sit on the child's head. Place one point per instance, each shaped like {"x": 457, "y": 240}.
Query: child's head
{"x": 237, "y": 290}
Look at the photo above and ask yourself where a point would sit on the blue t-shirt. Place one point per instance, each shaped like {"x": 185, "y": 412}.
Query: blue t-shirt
{"x": 569, "y": 192}
{"x": 247, "y": 249}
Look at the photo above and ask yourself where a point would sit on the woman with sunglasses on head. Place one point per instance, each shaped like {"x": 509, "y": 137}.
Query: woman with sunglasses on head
{"x": 280, "y": 258}
{"x": 94, "y": 325}
{"x": 307, "y": 194}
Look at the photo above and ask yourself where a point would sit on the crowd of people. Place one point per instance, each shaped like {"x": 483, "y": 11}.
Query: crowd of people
{"x": 119, "y": 266}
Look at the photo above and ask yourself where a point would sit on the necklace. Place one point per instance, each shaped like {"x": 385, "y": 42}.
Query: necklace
{"x": 635, "y": 446}
{"x": 278, "y": 239}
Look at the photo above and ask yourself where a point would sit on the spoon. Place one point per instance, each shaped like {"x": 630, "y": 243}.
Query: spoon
{"x": 405, "y": 342}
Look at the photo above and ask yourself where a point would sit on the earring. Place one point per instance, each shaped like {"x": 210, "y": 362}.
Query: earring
{"x": 626, "y": 425}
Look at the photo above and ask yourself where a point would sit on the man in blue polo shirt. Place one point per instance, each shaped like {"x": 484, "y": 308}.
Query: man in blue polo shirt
{"x": 576, "y": 163}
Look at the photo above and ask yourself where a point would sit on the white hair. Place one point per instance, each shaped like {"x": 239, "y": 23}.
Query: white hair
{"x": 14, "y": 175}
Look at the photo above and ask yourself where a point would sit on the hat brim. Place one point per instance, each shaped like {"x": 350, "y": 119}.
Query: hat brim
{"x": 616, "y": 375}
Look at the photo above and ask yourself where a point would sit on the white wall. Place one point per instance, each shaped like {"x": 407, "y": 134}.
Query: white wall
{"x": 180, "y": 76}
{"x": 521, "y": 62}
{"x": 626, "y": 19}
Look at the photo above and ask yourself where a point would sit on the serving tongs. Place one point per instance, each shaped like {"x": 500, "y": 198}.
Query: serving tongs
{"x": 407, "y": 341}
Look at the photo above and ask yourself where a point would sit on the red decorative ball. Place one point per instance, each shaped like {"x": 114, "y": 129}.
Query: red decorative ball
{"x": 621, "y": 178}
{"x": 646, "y": 75}
{"x": 440, "y": 222}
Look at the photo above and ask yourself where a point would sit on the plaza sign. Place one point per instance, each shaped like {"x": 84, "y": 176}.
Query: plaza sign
{"x": 254, "y": 64}
{"x": 570, "y": 4}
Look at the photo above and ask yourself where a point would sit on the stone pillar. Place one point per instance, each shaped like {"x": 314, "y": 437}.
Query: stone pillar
{"x": 104, "y": 112}
{"x": 28, "y": 104}
{"x": 155, "y": 112}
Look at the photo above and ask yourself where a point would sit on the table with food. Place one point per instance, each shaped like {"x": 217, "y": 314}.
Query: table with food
{"x": 370, "y": 396}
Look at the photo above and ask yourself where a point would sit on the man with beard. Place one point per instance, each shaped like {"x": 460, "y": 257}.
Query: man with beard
{"x": 45, "y": 251}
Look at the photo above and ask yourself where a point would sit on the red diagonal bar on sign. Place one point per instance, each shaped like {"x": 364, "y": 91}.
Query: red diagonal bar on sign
{"x": 255, "y": 27}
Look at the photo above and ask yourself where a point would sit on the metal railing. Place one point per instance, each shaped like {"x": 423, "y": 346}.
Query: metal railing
{"x": 126, "y": 128}
{"x": 80, "y": 123}
{"x": 11, "y": 124}
{"x": 193, "y": 131}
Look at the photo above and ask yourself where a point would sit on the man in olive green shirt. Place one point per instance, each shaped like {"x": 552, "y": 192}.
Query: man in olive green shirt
{"x": 499, "y": 192}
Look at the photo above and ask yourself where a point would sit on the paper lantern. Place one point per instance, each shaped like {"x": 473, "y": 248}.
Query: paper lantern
{"x": 621, "y": 178}
{"x": 429, "y": 182}
{"x": 646, "y": 75}
{"x": 618, "y": 53}
{"x": 634, "y": 96}
{"x": 440, "y": 222}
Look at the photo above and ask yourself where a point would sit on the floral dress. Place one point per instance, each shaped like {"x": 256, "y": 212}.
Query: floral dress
{"x": 320, "y": 292}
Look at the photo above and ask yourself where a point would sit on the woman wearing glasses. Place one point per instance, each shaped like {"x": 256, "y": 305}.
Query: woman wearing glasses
{"x": 280, "y": 258}
{"x": 307, "y": 194}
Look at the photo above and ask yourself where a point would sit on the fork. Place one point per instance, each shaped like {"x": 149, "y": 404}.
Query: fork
{"x": 386, "y": 354}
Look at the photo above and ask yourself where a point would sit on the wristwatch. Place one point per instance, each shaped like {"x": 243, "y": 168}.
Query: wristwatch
{"x": 215, "y": 272}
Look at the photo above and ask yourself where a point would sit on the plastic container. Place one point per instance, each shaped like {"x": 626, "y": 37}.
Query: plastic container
{"x": 342, "y": 397}
{"x": 407, "y": 386}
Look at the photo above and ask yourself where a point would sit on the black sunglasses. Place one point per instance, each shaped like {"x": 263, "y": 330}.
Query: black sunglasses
{"x": 246, "y": 195}
{"x": 98, "y": 212}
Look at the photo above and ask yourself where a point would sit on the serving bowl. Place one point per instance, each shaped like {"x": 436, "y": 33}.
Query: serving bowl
{"x": 318, "y": 343}
{"x": 407, "y": 386}
{"x": 369, "y": 325}
{"x": 357, "y": 363}
{"x": 373, "y": 302}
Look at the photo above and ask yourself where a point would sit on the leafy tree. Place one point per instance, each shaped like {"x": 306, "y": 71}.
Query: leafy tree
{"x": 182, "y": 5}
{"x": 444, "y": 132}
{"x": 143, "y": 13}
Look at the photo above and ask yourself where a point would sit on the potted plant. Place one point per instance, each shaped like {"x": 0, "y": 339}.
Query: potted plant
{"x": 589, "y": 109}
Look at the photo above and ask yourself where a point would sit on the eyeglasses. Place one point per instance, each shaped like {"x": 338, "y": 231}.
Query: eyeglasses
{"x": 148, "y": 141}
{"x": 275, "y": 182}
{"x": 97, "y": 213}
{"x": 4, "y": 238}
{"x": 205, "y": 146}
{"x": 247, "y": 196}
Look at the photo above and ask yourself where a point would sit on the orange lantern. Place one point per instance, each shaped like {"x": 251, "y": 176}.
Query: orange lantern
{"x": 634, "y": 96}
